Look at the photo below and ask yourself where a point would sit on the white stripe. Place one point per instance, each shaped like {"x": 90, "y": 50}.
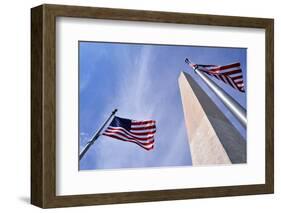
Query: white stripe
{"x": 147, "y": 145}
{"x": 143, "y": 125}
{"x": 238, "y": 79}
{"x": 143, "y": 131}
{"x": 236, "y": 75}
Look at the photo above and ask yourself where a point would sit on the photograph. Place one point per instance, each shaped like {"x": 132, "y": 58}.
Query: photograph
{"x": 143, "y": 105}
{"x": 136, "y": 105}
{"x": 161, "y": 105}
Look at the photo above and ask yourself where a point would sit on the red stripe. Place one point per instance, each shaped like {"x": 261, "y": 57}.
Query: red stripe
{"x": 125, "y": 134}
{"x": 239, "y": 82}
{"x": 225, "y": 67}
{"x": 233, "y": 72}
{"x": 142, "y": 122}
{"x": 143, "y": 128}
{"x": 237, "y": 77}
{"x": 144, "y": 133}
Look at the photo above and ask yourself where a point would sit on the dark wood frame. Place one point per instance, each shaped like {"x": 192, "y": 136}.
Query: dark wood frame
{"x": 43, "y": 105}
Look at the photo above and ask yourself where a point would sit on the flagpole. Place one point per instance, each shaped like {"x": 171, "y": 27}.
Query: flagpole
{"x": 237, "y": 110}
{"x": 95, "y": 137}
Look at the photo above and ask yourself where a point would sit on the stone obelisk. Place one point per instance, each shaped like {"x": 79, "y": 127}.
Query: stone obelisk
{"x": 211, "y": 136}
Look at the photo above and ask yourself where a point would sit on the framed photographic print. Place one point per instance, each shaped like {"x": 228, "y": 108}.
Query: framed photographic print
{"x": 135, "y": 106}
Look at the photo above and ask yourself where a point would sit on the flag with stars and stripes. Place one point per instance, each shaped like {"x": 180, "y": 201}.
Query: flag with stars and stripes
{"x": 230, "y": 74}
{"x": 138, "y": 132}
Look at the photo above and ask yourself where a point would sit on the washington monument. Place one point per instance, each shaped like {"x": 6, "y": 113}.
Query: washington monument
{"x": 211, "y": 136}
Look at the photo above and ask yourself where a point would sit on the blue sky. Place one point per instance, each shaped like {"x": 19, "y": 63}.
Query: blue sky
{"x": 142, "y": 82}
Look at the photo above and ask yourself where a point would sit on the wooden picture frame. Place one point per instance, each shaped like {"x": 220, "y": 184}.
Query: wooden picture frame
{"x": 43, "y": 105}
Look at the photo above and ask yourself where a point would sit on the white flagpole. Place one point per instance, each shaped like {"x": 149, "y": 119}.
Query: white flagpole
{"x": 95, "y": 137}
{"x": 234, "y": 107}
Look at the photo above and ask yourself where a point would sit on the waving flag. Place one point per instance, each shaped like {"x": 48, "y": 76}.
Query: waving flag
{"x": 230, "y": 74}
{"x": 138, "y": 132}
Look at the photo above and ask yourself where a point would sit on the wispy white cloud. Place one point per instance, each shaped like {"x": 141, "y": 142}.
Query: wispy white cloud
{"x": 141, "y": 94}
{"x": 135, "y": 89}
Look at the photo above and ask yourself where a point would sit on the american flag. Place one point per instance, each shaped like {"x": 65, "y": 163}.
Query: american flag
{"x": 230, "y": 74}
{"x": 138, "y": 132}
